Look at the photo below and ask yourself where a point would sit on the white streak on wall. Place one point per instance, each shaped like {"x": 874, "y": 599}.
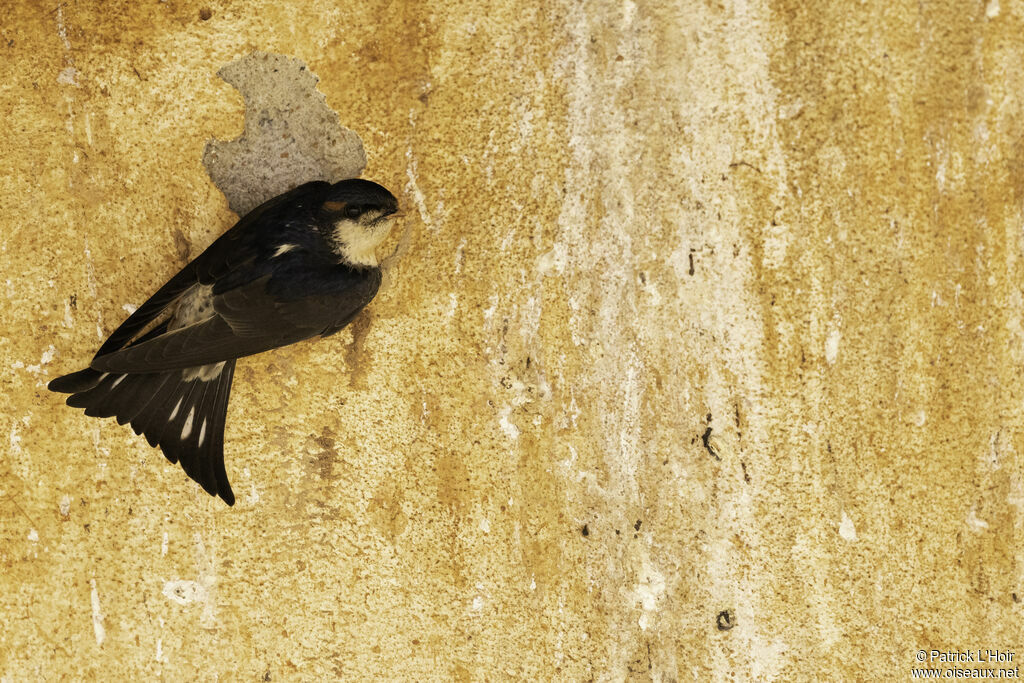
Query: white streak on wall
{"x": 417, "y": 195}
{"x": 97, "y": 614}
{"x": 62, "y": 30}
{"x": 68, "y": 76}
{"x": 846, "y": 528}
{"x": 15, "y": 440}
{"x": 184, "y": 592}
{"x": 648, "y": 592}
{"x": 460, "y": 256}
{"x": 832, "y": 346}
{"x": 975, "y": 523}
{"x": 507, "y": 426}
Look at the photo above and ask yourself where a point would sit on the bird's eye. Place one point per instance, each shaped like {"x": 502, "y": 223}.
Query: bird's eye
{"x": 352, "y": 212}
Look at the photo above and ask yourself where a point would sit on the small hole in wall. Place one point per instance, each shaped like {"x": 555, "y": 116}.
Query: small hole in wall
{"x": 205, "y": 13}
{"x": 725, "y": 620}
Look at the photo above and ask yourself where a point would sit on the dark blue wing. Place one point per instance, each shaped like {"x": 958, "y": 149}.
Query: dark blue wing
{"x": 227, "y": 258}
{"x": 297, "y": 302}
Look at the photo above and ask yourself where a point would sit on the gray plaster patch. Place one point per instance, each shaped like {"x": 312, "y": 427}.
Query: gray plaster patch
{"x": 291, "y": 136}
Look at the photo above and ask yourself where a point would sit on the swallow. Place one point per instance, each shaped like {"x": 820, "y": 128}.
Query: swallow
{"x": 300, "y": 265}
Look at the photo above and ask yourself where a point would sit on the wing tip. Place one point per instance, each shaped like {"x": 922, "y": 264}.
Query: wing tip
{"x": 75, "y": 382}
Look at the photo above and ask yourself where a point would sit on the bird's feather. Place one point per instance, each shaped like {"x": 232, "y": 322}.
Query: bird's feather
{"x": 167, "y": 369}
{"x": 185, "y": 418}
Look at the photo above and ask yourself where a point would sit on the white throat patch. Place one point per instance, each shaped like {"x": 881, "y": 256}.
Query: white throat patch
{"x": 356, "y": 241}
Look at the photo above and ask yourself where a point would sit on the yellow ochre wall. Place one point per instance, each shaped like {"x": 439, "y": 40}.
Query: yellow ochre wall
{"x": 795, "y": 224}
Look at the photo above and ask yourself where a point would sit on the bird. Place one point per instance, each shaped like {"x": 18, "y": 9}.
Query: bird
{"x": 297, "y": 266}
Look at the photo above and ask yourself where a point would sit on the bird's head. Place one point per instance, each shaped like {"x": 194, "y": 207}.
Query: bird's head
{"x": 356, "y": 216}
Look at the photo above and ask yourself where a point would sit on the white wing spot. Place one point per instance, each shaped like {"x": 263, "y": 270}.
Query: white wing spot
{"x": 202, "y": 432}
{"x": 187, "y": 429}
{"x": 206, "y": 373}
{"x": 284, "y": 249}
{"x": 177, "y": 405}
{"x": 118, "y": 381}
{"x": 194, "y": 306}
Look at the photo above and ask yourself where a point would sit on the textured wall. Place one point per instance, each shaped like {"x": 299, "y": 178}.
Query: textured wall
{"x": 796, "y": 224}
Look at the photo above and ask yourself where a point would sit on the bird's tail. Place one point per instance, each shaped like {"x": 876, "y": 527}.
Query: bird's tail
{"x": 181, "y": 411}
